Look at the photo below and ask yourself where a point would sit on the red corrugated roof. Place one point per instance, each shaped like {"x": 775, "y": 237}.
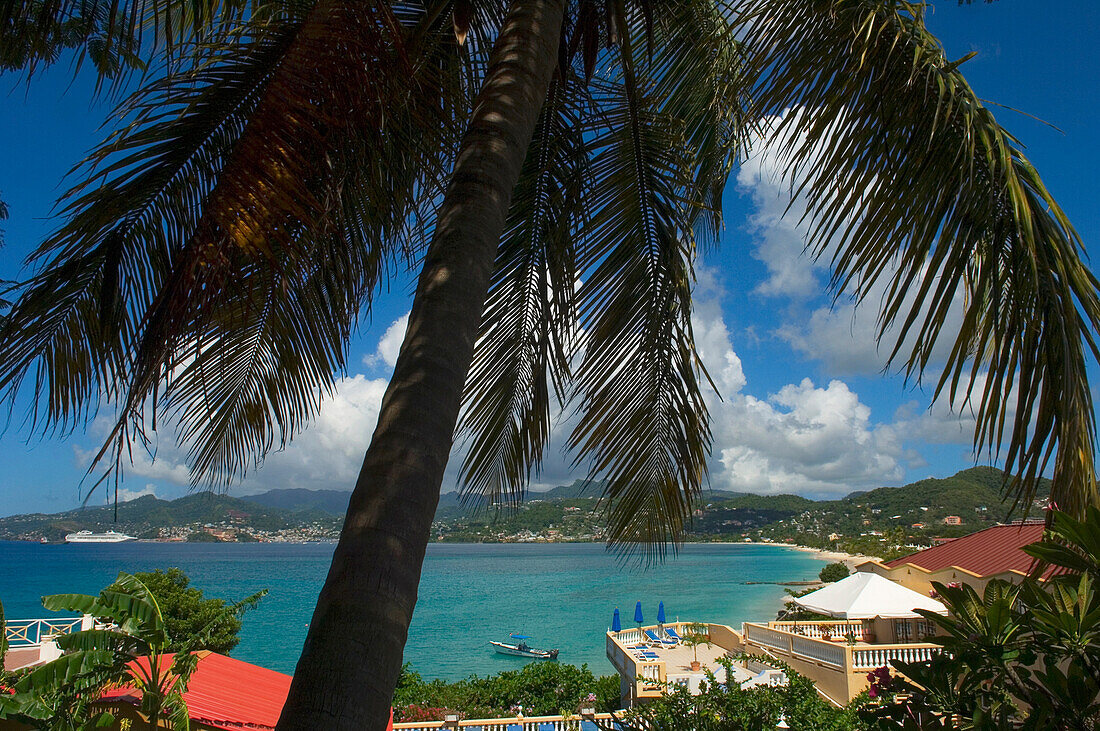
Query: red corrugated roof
{"x": 985, "y": 553}
{"x": 227, "y": 693}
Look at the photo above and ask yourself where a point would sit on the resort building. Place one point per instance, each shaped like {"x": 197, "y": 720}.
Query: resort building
{"x": 993, "y": 553}
{"x": 837, "y": 654}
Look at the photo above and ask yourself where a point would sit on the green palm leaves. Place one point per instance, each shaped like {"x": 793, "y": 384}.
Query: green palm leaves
{"x": 221, "y": 245}
{"x": 130, "y": 627}
{"x": 590, "y": 302}
{"x": 914, "y": 187}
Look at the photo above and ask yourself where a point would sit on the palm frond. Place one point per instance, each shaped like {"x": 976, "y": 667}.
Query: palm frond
{"x": 911, "y": 182}
{"x": 74, "y": 325}
{"x": 118, "y": 36}
{"x": 529, "y": 317}
{"x": 245, "y": 197}
{"x": 644, "y": 422}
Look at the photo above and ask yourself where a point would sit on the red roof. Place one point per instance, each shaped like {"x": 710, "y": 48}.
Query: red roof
{"x": 227, "y": 693}
{"x": 985, "y": 553}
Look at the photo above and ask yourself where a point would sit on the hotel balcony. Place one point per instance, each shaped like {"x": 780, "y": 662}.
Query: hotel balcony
{"x": 833, "y": 654}
{"x": 837, "y": 655}
{"x": 645, "y": 670}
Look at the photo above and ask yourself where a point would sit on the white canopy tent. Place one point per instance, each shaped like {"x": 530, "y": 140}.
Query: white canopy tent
{"x": 865, "y": 595}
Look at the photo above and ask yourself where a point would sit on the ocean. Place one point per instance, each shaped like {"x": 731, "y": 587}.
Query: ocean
{"x": 563, "y": 595}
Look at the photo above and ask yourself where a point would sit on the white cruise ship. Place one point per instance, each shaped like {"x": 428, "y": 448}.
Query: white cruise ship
{"x": 86, "y": 536}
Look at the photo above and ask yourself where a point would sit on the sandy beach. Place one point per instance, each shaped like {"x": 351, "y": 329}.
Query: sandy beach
{"x": 848, "y": 559}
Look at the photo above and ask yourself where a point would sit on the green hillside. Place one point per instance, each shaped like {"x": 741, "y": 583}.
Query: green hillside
{"x": 862, "y": 521}
{"x": 146, "y": 516}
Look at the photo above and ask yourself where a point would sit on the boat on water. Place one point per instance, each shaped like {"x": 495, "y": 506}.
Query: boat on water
{"x": 86, "y": 536}
{"x": 522, "y": 649}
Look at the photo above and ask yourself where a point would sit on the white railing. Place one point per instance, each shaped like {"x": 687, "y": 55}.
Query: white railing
{"x": 532, "y": 723}
{"x": 840, "y": 628}
{"x": 760, "y": 635}
{"x": 33, "y": 632}
{"x": 876, "y": 657}
{"x": 629, "y": 637}
{"x": 819, "y": 650}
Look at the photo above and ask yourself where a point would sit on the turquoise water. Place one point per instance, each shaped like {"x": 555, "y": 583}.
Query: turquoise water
{"x": 562, "y": 594}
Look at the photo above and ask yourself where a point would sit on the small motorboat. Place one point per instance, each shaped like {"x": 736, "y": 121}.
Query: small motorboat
{"x": 522, "y": 649}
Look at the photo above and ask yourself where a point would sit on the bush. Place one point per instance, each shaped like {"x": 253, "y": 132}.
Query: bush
{"x": 542, "y": 688}
{"x": 190, "y": 619}
{"x": 721, "y": 708}
{"x": 833, "y": 572}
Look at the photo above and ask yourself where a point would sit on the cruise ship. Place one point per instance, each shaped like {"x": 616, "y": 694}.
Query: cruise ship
{"x": 86, "y": 536}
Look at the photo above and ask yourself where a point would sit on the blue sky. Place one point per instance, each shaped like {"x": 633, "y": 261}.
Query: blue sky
{"x": 805, "y": 408}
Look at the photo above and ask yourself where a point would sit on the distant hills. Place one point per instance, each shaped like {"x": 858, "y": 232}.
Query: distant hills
{"x": 149, "y": 516}
{"x": 565, "y": 512}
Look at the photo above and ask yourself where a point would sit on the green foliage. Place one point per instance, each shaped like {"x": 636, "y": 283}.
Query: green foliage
{"x": 190, "y": 620}
{"x": 541, "y": 688}
{"x": 833, "y": 572}
{"x": 56, "y": 695}
{"x": 1021, "y": 655}
{"x": 728, "y": 707}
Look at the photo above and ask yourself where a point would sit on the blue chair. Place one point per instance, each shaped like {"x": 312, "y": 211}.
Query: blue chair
{"x": 652, "y": 635}
{"x": 672, "y": 634}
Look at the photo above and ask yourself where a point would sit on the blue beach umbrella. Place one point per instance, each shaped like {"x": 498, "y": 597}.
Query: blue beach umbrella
{"x": 616, "y": 624}
{"x": 661, "y": 613}
{"x": 638, "y": 613}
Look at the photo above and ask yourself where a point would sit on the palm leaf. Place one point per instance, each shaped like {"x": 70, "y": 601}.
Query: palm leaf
{"x": 643, "y": 420}
{"x": 529, "y": 319}
{"x": 228, "y": 214}
{"x": 75, "y": 324}
{"x": 912, "y": 183}
{"x": 116, "y": 36}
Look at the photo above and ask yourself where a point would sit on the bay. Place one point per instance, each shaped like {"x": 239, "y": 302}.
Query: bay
{"x": 563, "y": 595}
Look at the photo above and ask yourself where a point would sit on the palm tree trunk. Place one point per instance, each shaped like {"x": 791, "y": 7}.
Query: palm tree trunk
{"x": 353, "y": 651}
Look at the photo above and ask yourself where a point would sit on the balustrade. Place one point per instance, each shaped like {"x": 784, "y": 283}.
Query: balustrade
{"x": 819, "y": 650}
{"x": 839, "y": 628}
{"x": 32, "y": 632}
{"x": 532, "y": 723}
{"x": 879, "y": 655}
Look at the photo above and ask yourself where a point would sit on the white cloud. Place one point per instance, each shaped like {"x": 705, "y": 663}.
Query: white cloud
{"x": 803, "y": 438}
{"x": 125, "y": 496}
{"x": 390, "y": 344}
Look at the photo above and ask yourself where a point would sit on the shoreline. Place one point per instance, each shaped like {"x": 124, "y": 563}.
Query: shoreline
{"x": 851, "y": 560}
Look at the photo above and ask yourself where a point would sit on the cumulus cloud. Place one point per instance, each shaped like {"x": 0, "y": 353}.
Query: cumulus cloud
{"x": 389, "y": 346}
{"x": 803, "y": 438}
{"x": 125, "y": 496}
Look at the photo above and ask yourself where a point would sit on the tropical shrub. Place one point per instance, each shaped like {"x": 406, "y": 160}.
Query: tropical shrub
{"x": 542, "y": 688}
{"x": 728, "y": 707}
{"x": 191, "y": 620}
{"x": 130, "y": 646}
{"x": 833, "y": 572}
{"x": 1021, "y": 655}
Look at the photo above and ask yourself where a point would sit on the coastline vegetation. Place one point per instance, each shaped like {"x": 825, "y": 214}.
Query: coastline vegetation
{"x": 537, "y": 689}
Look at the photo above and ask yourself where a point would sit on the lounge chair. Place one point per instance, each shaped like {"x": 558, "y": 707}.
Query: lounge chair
{"x": 673, "y": 635}
{"x": 655, "y": 640}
